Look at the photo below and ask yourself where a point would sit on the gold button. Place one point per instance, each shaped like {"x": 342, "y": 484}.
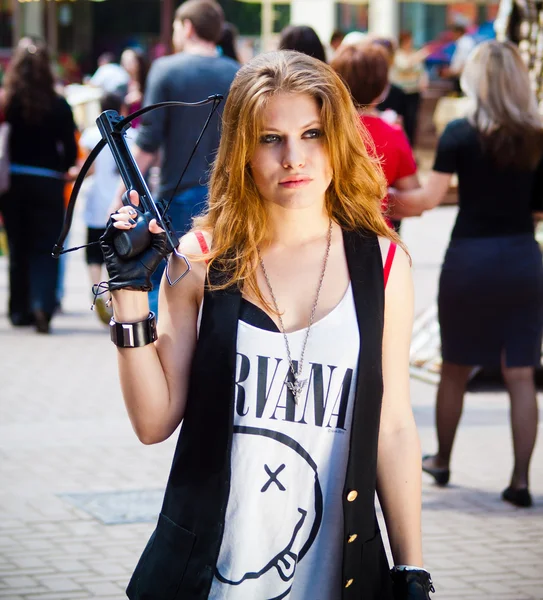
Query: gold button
{"x": 352, "y": 496}
{"x": 349, "y": 583}
{"x": 352, "y": 538}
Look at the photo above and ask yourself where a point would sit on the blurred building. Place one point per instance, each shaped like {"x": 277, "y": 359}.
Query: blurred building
{"x": 82, "y": 29}
{"x": 426, "y": 20}
{"x": 64, "y": 23}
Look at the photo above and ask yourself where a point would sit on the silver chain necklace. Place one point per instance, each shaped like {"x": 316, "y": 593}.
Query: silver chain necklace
{"x": 297, "y": 386}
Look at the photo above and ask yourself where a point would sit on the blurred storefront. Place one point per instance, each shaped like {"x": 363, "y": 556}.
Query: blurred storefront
{"x": 65, "y": 24}
{"x": 426, "y": 20}
{"x": 77, "y": 31}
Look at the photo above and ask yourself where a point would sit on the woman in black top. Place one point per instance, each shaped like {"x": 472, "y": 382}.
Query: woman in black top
{"x": 491, "y": 285}
{"x": 42, "y": 149}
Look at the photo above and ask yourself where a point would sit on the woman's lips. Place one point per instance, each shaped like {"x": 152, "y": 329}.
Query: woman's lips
{"x": 295, "y": 183}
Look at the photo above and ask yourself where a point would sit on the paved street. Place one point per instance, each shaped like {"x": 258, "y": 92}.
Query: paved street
{"x": 67, "y": 454}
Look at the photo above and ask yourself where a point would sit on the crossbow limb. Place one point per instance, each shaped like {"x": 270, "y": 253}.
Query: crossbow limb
{"x": 113, "y": 129}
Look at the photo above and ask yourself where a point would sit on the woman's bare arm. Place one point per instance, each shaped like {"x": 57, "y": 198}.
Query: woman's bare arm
{"x": 154, "y": 378}
{"x": 409, "y": 203}
{"x": 406, "y": 209}
{"x": 399, "y": 455}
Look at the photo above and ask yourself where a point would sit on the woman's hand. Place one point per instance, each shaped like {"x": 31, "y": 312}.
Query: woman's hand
{"x": 414, "y": 202}
{"x": 123, "y": 218}
{"x": 411, "y": 584}
{"x": 71, "y": 175}
{"x": 133, "y": 273}
{"x": 399, "y": 208}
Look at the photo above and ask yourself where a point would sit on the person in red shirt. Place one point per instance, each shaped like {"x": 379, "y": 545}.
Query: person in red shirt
{"x": 364, "y": 68}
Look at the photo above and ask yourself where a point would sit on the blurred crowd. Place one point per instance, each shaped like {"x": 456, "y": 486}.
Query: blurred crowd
{"x": 398, "y": 73}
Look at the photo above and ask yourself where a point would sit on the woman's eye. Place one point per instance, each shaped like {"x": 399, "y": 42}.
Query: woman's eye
{"x": 313, "y": 134}
{"x": 269, "y": 139}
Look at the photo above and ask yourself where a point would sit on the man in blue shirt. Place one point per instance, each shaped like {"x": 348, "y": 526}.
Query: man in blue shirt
{"x": 193, "y": 73}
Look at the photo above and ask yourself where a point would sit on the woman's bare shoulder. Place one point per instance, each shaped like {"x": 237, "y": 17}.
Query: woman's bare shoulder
{"x": 385, "y": 245}
{"x": 194, "y": 243}
{"x": 191, "y": 246}
{"x": 398, "y": 278}
{"x": 400, "y": 255}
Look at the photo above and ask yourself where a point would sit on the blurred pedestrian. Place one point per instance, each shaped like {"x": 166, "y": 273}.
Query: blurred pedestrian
{"x": 353, "y": 38}
{"x": 286, "y": 436}
{"x": 193, "y": 73}
{"x": 364, "y": 68}
{"x": 464, "y": 44}
{"x": 99, "y": 196}
{"x": 302, "y": 39}
{"x": 491, "y": 285}
{"x": 42, "y": 149}
{"x": 393, "y": 105}
{"x": 110, "y": 76}
{"x": 336, "y": 38}
{"x": 228, "y": 41}
{"x": 134, "y": 62}
{"x": 408, "y": 73}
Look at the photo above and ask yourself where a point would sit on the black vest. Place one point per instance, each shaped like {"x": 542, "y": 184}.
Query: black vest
{"x": 179, "y": 560}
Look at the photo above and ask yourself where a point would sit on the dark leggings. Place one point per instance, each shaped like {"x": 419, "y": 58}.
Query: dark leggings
{"x": 524, "y": 414}
{"x": 411, "y": 117}
{"x": 33, "y": 212}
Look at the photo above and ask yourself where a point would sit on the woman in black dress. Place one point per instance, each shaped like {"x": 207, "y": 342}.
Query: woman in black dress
{"x": 491, "y": 285}
{"x": 42, "y": 149}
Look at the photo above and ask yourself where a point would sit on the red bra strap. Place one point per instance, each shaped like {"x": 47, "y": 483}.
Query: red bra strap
{"x": 388, "y": 262}
{"x": 202, "y": 241}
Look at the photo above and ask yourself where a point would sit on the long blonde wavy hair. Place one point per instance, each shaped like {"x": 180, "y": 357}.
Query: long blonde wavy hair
{"x": 236, "y": 214}
{"x": 505, "y": 111}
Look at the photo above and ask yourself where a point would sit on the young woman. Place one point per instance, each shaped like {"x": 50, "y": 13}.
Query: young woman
{"x": 491, "y": 285}
{"x": 364, "y": 68}
{"x": 284, "y": 353}
{"x": 135, "y": 63}
{"x": 42, "y": 149}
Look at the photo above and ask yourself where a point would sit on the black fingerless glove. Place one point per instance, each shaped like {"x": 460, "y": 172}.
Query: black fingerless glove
{"x": 411, "y": 584}
{"x": 134, "y": 273}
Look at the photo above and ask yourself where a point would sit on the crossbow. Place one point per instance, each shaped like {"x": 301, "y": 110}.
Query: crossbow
{"x": 113, "y": 129}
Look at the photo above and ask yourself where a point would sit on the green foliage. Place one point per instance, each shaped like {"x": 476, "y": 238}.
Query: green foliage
{"x": 246, "y": 17}
{"x": 283, "y": 17}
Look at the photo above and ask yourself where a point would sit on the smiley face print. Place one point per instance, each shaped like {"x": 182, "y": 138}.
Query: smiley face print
{"x": 273, "y": 516}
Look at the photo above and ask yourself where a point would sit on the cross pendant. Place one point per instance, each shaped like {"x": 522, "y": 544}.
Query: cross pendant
{"x": 296, "y": 387}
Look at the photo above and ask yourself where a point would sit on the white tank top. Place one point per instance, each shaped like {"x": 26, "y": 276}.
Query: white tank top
{"x": 283, "y": 536}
